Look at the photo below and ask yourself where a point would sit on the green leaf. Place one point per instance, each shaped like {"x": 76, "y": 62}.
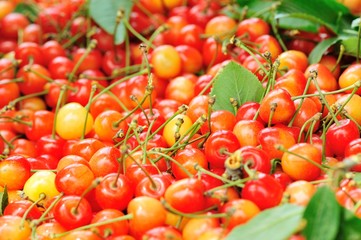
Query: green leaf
{"x": 322, "y": 215}
{"x": 301, "y": 14}
{"x": 29, "y": 10}
{"x": 272, "y": 224}
{"x": 235, "y": 81}
{"x": 321, "y": 48}
{"x": 350, "y": 226}
{"x": 104, "y": 13}
{"x": 4, "y": 200}
{"x": 356, "y": 23}
{"x": 351, "y": 46}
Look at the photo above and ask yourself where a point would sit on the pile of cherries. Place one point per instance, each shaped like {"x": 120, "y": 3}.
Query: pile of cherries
{"x": 105, "y": 141}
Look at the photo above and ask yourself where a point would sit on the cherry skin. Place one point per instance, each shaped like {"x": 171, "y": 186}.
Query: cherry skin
{"x": 114, "y": 192}
{"x": 14, "y": 172}
{"x": 18, "y": 208}
{"x": 219, "y": 120}
{"x": 104, "y": 161}
{"x": 180, "y": 89}
{"x": 247, "y": 132}
{"x": 277, "y": 107}
{"x": 12, "y": 23}
{"x": 116, "y": 228}
{"x": 74, "y": 179}
{"x": 339, "y": 135}
{"x": 270, "y": 137}
{"x": 242, "y": 211}
{"x": 166, "y": 62}
{"x": 188, "y": 158}
{"x": 294, "y": 81}
{"x": 297, "y": 167}
{"x": 186, "y": 195}
{"x": 264, "y": 191}
{"x": 216, "y": 146}
{"x": 163, "y": 232}
{"x": 252, "y": 28}
{"x": 13, "y": 227}
{"x": 33, "y": 82}
{"x": 154, "y": 187}
{"x": 325, "y": 79}
{"x": 72, "y": 212}
{"x": 353, "y": 148}
{"x": 147, "y": 213}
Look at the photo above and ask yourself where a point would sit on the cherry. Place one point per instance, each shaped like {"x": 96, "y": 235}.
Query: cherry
{"x": 180, "y": 89}
{"x": 148, "y": 213}
{"x": 29, "y": 51}
{"x": 104, "y": 161}
{"x": 154, "y": 186}
{"x": 252, "y": 28}
{"x": 188, "y": 158}
{"x": 340, "y": 134}
{"x": 34, "y": 77}
{"x": 19, "y": 208}
{"x": 300, "y": 192}
{"x": 14, "y": 172}
{"x": 324, "y": 78}
{"x": 115, "y": 191}
{"x": 74, "y": 179}
{"x": 7, "y": 68}
{"x": 264, "y": 191}
{"x": 13, "y": 227}
{"x": 190, "y": 35}
{"x": 195, "y": 227}
{"x": 117, "y": 228}
{"x": 277, "y": 107}
{"x": 166, "y": 62}
{"x": 247, "y": 132}
{"x": 72, "y": 212}
{"x": 240, "y": 211}
{"x": 12, "y": 23}
{"x": 218, "y": 146}
{"x": 163, "y": 232}
{"x": 186, "y": 195}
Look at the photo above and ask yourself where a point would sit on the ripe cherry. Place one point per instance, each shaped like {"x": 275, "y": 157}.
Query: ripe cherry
{"x": 277, "y": 107}
{"x": 14, "y": 172}
{"x": 72, "y": 212}
{"x": 186, "y": 195}
{"x": 295, "y": 165}
{"x": 264, "y": 191}
{"x": 218, "y": 146}
{"x": 340, "y": 134}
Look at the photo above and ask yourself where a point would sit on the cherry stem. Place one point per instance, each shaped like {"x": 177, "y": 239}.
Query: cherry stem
{"x": 216, "y": 176}
{"x": 358, "y": 43}
{"x": 237, "y": 183}
{"x": 90, "y": 47}
{"x": 167, "y": 157}
{"x": 313, "y": 119}
{"x": 202, "y": 214}
{"x": 42, "y": 196}
{"x": 135, "y": 33}
{"x": 272, "y": 112}
{"x": 87, "y": 107}
{"x": 320, "y": 166}
{"x": 93, "y": 185}
{"x": 12, "y": 104}
{"x": 106, "y": 89}
{"x": 47, "y": 210}
{"x": 154, "y": 185}
{"x": 238, "y": 43}
{"x": 60, "y": 101}
{"x": 357, "y": 85}
{"x": 339, "y": 57}
{"x": 93, "y": 225}
{"x": 29, "y": 69}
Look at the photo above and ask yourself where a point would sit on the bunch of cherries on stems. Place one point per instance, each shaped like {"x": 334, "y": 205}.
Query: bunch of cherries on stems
{"x": 105, "y": 141}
